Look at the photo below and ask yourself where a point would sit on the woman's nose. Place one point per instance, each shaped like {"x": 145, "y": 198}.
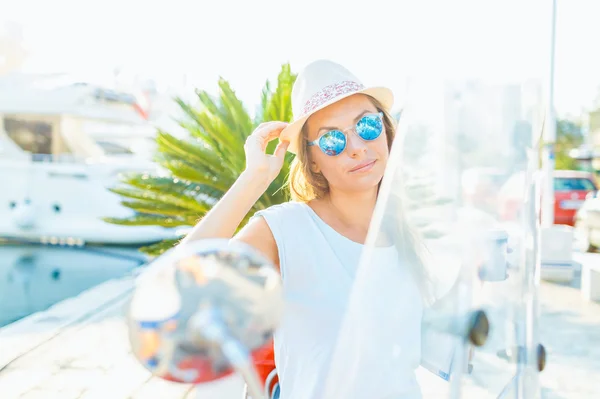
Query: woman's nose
{"x": 355, "y": 145}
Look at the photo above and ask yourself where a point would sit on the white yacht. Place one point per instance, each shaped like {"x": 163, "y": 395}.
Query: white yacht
{"x": 62, "y": 144}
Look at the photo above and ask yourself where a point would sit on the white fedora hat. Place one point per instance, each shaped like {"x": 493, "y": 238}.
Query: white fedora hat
{"x": 322, "y": 83}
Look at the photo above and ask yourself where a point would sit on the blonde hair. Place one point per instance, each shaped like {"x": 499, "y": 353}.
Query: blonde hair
{"x": 306, "y": 185}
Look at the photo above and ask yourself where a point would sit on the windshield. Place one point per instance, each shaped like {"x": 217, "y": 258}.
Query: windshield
{"x": 460, "y": 253}
{"x": 456, "y": 298}
{"x": 31, "y": 135}
{"x": 573, "y": 184}
{"x": 122, "y": 139}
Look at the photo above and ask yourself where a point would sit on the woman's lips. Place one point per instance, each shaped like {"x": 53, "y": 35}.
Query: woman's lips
{"x": 363, "y": 167}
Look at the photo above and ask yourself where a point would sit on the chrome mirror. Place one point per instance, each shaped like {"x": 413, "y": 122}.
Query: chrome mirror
{"x": 201, "y": 310}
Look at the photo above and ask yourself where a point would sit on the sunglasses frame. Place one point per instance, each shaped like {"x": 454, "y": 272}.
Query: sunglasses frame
{"x": 344, "y": 132}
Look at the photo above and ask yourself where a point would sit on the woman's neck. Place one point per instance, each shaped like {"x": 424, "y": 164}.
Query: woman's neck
{"x": 353, "y": 209}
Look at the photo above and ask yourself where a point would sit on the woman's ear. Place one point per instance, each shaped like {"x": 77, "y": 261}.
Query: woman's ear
{"x": 314, "y": 167}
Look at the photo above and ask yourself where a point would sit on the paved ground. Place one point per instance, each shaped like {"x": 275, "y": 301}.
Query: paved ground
{"x": 90, "y": 358}
{"x": 570, "y": 329}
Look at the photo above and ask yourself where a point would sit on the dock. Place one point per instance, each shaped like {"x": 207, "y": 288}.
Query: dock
{"x": 79, "y": 349}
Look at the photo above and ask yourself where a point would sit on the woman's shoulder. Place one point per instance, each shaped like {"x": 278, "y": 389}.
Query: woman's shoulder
{"x": 284, "y": 218}
{"x": 284, "y": 209}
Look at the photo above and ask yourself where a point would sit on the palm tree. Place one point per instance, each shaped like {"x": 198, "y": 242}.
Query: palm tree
{"x": 203, "y": 167}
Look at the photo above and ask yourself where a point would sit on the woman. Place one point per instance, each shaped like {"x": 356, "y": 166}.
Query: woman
{"x": 341, "y": 134}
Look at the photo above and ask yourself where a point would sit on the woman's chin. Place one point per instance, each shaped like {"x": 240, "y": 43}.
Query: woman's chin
{"x": 365, "y": 183}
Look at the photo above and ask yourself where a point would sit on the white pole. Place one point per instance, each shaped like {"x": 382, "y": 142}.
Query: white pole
{"x": 549, "y": 136}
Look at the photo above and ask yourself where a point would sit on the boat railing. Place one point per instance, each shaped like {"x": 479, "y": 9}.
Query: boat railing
{"x": 57, "y": 158}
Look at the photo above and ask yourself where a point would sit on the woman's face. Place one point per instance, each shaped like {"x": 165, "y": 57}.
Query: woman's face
{"x": 361, "y": 165}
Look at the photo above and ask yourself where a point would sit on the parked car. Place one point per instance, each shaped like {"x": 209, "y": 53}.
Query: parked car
{"x": 587, "y": 223}
{"x": 570, "y": 190}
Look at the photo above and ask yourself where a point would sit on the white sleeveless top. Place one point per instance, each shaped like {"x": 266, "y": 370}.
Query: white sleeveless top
{"x": 318, "y": 266}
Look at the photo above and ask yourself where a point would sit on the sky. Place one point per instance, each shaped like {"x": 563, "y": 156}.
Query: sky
{"x": 381, "y": 41}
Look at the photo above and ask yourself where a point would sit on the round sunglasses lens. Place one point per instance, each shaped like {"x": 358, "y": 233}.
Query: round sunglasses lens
{"x": 369, "y": 127}
{"x": 333, "y": 142}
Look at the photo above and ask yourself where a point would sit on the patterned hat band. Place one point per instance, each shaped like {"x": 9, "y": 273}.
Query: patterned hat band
{"x": 329, "y": 93}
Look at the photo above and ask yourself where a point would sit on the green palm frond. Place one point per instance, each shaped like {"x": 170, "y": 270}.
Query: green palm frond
{"x": 202, "y": 167}
{"x": 151, "y": 207}
{"x": 208, "y": 128}
{"x": 233, "y": 111}
{"x": 264, "y": 103}
{"x": 172, "y": 184}
{"x": 279, "y": 106}
{"x": 181, "y": 201}
{"x": 214, "y": 131}
{"x": 192, "y": 153}
{"x": 148, "y": 220}
{"x": 195, "y": 173}
{"x": 155, "y": 183}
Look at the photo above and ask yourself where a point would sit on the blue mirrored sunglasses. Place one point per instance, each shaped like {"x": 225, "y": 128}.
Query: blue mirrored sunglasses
{"x": 333, "y": 142}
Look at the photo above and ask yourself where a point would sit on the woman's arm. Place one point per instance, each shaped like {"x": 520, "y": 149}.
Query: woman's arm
{"x": 258, "y": 234}
{"x": 226, "y": 215}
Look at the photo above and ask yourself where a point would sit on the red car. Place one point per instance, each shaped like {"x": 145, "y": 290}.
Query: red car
{"x": 570, "y": 190}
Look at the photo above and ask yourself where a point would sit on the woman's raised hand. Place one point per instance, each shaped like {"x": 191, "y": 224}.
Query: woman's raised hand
{"x": 259, "y": 164}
